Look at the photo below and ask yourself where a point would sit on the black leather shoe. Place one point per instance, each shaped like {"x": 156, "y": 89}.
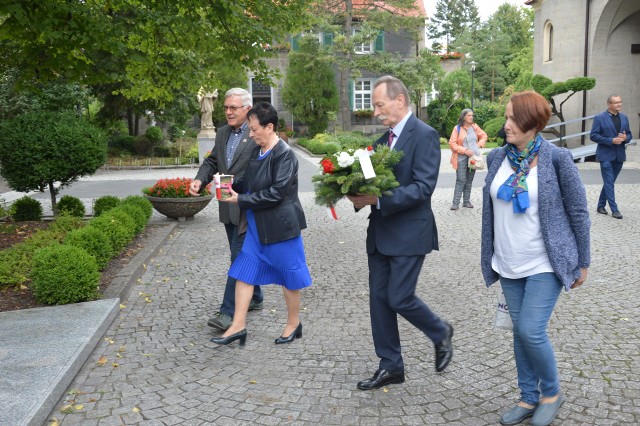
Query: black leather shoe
{"x": 616, "y": 215}
{"x": 444, "y": 350}
{"x": 297, "y": 333}
{"x": 382, "y": 378}
{"x": 240, "y": 335}
{"x": 602, "y": 210}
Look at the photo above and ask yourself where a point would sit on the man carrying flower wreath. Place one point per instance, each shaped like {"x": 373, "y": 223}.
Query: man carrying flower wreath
{"x": 230, "y": 156}
{"x": 401, "y": 231}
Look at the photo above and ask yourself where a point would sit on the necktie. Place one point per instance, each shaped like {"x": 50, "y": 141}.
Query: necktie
{"x": 391, "y": 135}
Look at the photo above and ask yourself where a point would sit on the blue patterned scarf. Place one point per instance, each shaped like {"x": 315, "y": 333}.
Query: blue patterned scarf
{"x": 515, "y": 188}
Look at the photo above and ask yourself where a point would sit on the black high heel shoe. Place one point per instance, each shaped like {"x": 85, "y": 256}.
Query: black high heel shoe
{"x": 297, "y": 333}
{"x": 240, "y": 335}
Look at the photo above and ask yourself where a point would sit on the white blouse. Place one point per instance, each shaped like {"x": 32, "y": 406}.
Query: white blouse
{"x": 518, "y": 247}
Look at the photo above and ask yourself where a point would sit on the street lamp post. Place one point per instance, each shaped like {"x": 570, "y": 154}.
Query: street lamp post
{"x": 473, "y": 74}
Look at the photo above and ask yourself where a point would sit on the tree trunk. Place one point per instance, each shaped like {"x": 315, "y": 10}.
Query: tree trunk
{"x": 130, "y": 126}
{"x": 345, "y": 112}
{"x": 53, "y": 192}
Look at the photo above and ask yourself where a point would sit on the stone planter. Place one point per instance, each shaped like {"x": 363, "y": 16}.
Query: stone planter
{"x": 180, "y": 208}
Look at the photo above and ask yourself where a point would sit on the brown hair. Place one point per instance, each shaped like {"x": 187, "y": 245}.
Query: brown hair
{"x": 530, "y": 110}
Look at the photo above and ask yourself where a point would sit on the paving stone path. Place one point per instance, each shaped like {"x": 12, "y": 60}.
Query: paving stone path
{"x": 156, "y": 366}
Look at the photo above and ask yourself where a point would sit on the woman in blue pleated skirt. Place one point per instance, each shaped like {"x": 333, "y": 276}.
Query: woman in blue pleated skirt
{"x": 273, "y": 252}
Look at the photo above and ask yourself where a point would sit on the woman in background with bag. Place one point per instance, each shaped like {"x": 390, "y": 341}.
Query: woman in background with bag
{"x": 535, "y": 240}
{"x": 466, "y": 140}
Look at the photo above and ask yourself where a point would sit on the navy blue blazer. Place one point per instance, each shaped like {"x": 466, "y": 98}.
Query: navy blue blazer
{"x": 603, "y": 131}
{"x": 404, "y": 225}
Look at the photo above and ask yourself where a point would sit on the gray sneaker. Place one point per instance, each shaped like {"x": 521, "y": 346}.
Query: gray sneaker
{"x": 255, "y": 306}
{"x": 220, "y": 321}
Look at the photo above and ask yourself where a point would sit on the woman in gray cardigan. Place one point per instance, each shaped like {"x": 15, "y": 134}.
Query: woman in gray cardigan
{"x": 535, "y": 240}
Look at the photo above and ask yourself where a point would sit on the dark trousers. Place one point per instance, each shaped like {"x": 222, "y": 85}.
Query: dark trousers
{"x": 229, "y": 299}
{"x": 609, "y": 171}
{"x": 392, "y": 285}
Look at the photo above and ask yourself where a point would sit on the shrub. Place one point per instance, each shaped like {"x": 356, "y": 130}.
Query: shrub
{"x": 492, "y": 126}
{"x": 26, "y": 208}
{"x": 136, "y": 213}
{"x": 116, "y": 231}
{"x": 104, "y": 204}
{"x": 43, "y": 147}
{"x": 122, "y": 143}
{"x": 143, "y": 203}
{"x": 64, "y": 274}
{"x": 70, "y": 205}
{"x": 154, "y": 134}
{"x": 13, "y": 269}
{"x": 124, "y": 218}
{"x": 3, "y": 209}
{"x": 93, "y": 241}
{"x": 65, "y": 223}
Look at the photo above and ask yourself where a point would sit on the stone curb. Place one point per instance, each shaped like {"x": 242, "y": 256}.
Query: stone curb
{"x": 122, "y": 282}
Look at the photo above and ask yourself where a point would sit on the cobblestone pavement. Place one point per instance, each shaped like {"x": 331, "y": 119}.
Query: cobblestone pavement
{"x": 156, "y": 365}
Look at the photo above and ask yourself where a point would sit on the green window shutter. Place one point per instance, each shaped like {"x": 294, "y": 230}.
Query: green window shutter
{"x": 327, "y": 39}
{"x": 379, "y": 47}
{"x": 295, "y": 43}
{"x": 351, "y": 89}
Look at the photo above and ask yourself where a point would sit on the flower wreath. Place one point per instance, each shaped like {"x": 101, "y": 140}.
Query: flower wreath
{"x": 342, "y": 174}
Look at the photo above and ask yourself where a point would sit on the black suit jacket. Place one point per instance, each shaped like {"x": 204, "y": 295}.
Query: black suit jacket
{"x": 404, "y": 225}
{"x": 216, "y": 163}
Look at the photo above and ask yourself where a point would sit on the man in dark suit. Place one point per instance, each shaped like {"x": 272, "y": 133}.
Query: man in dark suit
{"x": 230, "y": 156}
{"x": 402, "y": 230}
{"x": 611, "y": 131}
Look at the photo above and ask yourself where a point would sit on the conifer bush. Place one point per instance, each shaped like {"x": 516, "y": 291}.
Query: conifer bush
{"x": 64, "y": 274}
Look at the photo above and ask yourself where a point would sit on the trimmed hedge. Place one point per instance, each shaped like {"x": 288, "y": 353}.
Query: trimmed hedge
{"x": 93, "y": 241}
{"x": 64, "y": 274}
{"x": 142, "y": 202}
{"x": 104, "y": 204}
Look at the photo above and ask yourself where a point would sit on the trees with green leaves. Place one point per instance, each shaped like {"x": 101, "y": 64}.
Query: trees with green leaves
{"x": 372, "y": 17}
{"x": 549, "y": 90}
{"x": 140, "y": 51}
{"x": 451, "y": 20}
{"x": 507, "y": 36}
{"x": 39, "y": 149}
{"x": 309, "y": 90}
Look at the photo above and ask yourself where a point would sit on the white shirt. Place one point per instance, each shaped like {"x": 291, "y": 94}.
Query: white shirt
{"x": 518, "y": 247}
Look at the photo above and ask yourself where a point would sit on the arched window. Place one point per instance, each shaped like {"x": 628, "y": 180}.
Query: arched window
{"x": 548, "y": 41}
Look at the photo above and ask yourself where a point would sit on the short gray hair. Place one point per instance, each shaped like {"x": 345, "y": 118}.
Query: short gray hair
{"x": 610, "y": 98}
{"x": 395, "y": 87}
{"x": 244, "y": 95}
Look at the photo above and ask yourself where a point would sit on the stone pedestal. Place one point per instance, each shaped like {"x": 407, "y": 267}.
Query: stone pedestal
{"x": 206, "y": 141}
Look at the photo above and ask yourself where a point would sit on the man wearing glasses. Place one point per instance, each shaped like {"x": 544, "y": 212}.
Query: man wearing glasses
{"x": 611, "y": 131}
{"x": 230, "y": 156}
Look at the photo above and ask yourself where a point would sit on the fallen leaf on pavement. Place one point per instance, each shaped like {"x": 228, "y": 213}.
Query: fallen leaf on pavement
{"x": 136, "y": 410}
{"x": 102, "y": 360}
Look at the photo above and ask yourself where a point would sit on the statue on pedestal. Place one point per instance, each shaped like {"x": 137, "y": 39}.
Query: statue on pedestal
{"x": 206, "y": 100}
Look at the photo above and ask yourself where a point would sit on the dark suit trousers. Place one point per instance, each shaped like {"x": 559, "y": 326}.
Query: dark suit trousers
{"x": 229, "y": 299}
{"x": 392, "y": 285}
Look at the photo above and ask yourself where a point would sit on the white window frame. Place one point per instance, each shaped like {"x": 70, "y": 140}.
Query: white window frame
{"x": 362, "y": 94}
{"x": 363, "y": 48}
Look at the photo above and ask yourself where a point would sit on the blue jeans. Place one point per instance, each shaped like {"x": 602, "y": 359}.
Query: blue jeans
{"x": 533, "y": 299}
{"x": 229, "y": 299}
{"x": 609, "y": 171}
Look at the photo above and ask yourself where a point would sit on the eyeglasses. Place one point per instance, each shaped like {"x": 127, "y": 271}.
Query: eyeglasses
{"x": 232, "y": 108}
